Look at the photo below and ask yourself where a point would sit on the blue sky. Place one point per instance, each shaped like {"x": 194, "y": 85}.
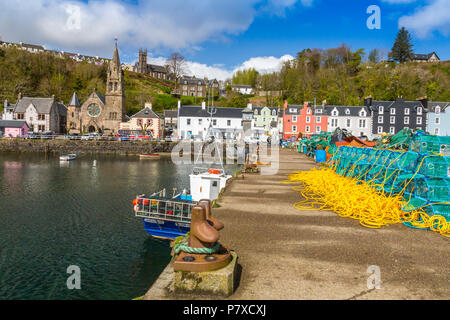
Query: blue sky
{"x": 220, "y": 36}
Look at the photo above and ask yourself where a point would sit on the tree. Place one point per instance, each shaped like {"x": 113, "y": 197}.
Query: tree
{"x": 402, "y": 49}
{"x": 176, "y": 64}
{"x": 374, "y": 56}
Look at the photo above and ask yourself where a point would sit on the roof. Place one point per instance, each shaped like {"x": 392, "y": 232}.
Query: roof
{"x": 354, "y": 110}
{"x": 74, "y": 101}
{"x": 155, "y": 68}
{"x": 192, "y": 80}
{"x": 244, "y": 86}
{"x": 433, "y": 104}
{"x": 293, "y": 106}
{"x": 12, "y": 123}
{"x": 197, "y": 111}
{"x": 62, "y": 109}
{"x": 42, "y": 105}
{"x": 259, "y": 109}
{"x": 170, "y": 113}
{"x": 420, "y": 56}
{"x": 398, "y": 103}
{"x": 146, "y": 113}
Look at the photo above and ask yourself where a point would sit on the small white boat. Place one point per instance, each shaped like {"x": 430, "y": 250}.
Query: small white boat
{"x": 68, "y": 157}
{"x": 150, "y": 156}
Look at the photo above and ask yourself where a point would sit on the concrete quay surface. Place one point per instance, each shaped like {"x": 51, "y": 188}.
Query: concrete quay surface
{"x": 290, "y": 254}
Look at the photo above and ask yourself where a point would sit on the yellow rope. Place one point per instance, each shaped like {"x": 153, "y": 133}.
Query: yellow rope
{"x": 324, "y": 189}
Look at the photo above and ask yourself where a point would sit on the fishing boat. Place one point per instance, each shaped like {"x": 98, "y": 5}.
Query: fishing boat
{"x": 150, "y": 156}
{"x": 68, "y": 157}
{"x": 165, "y": 217}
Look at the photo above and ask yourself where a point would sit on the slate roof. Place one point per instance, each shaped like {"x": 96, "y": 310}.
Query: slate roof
{"x": 196, "y": 111}
{"x": 12, "y": 123}
{"x": 62, "y": 109}
{"x": 156, "y": 68}
{"x": 74, "y": 101}
{"x": 415, "y": 56}
{"x": 146, "y": 113}
{"x": 259, "y": 109}
{"x": 192, "y": 80}
{"x": 433, "y": 104}
{"x": 354, "y": 110}
{"x": 170, "y": 113}
{"x": 297, "y": 108}
{"x": 42, "y": 105}
{"x": 241, "y": 86}
{"x": 398, "y": 103}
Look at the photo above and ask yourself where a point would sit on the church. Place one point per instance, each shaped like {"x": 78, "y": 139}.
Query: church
{"x": 102, "y": 114}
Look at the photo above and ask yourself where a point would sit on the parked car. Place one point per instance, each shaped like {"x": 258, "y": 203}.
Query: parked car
{"x": 47, "y": 135}
{"x": 32, "y": 136}
{"x": 74, "y": 136}
{"x": 85, "y": 137}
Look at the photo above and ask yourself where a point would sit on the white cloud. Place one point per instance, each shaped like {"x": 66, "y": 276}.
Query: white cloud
{"x": 177, "y": 24}
{"x": 261, "y": 64}
{"x": 432, "y": 17}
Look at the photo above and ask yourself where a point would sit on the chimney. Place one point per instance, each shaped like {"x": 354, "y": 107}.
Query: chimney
{"x": 179, "y": 104}
{"x": 203, "y": 105}
{"x": 6, "y": 103}
{"x": 424, "y": 101}
{"x": 250, "y": 106}
{"x": 19, "y": 97}
{"x": 368, "y": 101}
{"x": 324, "y": 103}
{"x": 149, "y": 105}
{"x": 285, "y": 104}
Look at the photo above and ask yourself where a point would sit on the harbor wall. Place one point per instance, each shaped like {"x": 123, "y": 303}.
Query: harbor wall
{"x": 77, "y": 146}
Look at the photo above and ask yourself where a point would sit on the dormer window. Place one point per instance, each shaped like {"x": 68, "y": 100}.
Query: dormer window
{"x": 380, "y": 109}
{"x": 419, "y": 111}
{"x": 437, "y": 110}
{"x": 308, "y": 111}
{"x": 347, "y": 111}
{"x": 319, "y": 111}
{"x": 274, "y": 112}
{"x": 363, "y": 113}
{"x": 393, "y": 111}
{"x": 292, "y": 110}
{"x": 334, "y": 113}
{"x": 407, "y": 111}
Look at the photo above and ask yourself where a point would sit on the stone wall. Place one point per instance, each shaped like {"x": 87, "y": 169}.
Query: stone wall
{"x": 77, "y": 146}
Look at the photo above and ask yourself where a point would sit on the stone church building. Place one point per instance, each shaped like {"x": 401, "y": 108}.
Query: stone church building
{"x": 99, "y": 113}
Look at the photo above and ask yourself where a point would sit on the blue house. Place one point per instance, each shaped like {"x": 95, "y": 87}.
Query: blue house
{"x": 438, "y": 118}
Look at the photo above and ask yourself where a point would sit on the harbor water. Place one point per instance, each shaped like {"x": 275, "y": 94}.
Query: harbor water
{"x": 54, "y": 215}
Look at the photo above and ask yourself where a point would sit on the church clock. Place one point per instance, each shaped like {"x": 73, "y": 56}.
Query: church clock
{"x": 93, "y": 110}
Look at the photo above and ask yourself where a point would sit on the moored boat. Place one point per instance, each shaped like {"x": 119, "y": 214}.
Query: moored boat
{"x": 150, "y": 156}
{"x": 68, "y": 157}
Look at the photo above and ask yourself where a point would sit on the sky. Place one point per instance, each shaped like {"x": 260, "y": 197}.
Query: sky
{"x": 219, "y": 37}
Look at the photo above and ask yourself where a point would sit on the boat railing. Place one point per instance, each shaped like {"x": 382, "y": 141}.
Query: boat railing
{"x": 164, "y": 209}
{"x": 200, "y": 170}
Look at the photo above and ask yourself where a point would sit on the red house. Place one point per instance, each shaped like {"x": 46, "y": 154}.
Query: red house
{"x": 305, "y": 120}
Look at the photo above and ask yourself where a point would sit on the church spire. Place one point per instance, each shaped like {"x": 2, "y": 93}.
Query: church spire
{"x": 116, "y": 59}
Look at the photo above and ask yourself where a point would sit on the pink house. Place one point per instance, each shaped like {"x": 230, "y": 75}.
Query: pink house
{"x": 13, "y": 128}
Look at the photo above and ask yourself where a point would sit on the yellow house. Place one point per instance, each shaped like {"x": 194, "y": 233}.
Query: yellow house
{"x": 145, "y": 122}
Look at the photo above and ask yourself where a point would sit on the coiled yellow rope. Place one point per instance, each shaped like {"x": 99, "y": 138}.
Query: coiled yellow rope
{"x": 324, "y": 189}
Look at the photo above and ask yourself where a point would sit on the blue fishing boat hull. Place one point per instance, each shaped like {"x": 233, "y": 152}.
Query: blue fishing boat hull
{"x": 165, "y": 229}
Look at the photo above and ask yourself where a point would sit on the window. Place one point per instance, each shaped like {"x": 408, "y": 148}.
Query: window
{"x": 437, "y": 110}
{"x": 347, "y": 111}
{"x": 229, "y": 123}
{"x": 349, "y": 123}
{"x": 380, "y": 130}
{"x": 438, "y": 120}
{"x": 362, "y": 123}
{"x": 380, "y": 119}
{"x": 334, "y": 122}
{"x": 380, "y": 109}
{"x": 294, "y": 128}
{"x": 407, "y": 111}
{"x": 392, "y": 120}
{"x": 436, "y": 131}
{"x": 188, "y": 122}
{"x": 419, "y": 120}
{"x": 406, "y": 120}
{"x": 392, "y": 110}
{"x": 20, "y": 116}
{"x": 256, "y": 112}
{"x": 292, "y": 110}
{"x": 200, "y": 121}
{"x": 214, "y": 122}
{"x": 41, "y": 128}
{"x": 307, "y": 129}
{"x": 334, "y": 113}
{"x": 392, "y": 130}
{"x": 274, "y": 112}
{"x": 42, "y": 116}
{"x": 318, "y": 119}
{"x": 363, "y": 114}
{"x": 294, "y": 119}
{"x": 319, "y": 111}
{"x": 419, "y": 111}
{"x": 308, "y": 110}
{"x": 318, "y": 129}
{"x": 149, "y": 122}
{"x": 139, "y": 122}
{"x": 308, "y": 119}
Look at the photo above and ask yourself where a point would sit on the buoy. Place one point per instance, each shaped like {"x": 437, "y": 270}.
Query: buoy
{"x": 135, "y": 202}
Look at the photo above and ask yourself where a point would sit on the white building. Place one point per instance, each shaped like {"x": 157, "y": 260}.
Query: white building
{"x": 244, "y": 89}
{"x": 356, "y": 120}
{"x": 8, "y": 111}
{"x": 194, "y": 121}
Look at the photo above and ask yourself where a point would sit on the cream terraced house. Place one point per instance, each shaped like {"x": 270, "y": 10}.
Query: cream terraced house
{"x": 355, "y": 119}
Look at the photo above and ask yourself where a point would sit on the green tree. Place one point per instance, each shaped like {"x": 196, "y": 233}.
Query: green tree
{"x": 374, "y": 56}
{"x": 402, "y": 49}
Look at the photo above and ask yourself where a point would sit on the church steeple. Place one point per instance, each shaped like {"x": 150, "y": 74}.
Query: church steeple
{"x": 115, "y": 75}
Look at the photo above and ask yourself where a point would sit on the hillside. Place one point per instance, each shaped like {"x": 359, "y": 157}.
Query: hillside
{"x": 42, "y": 75}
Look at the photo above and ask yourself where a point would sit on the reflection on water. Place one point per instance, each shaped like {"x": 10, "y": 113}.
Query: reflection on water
{"x": 55, "y": 214}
